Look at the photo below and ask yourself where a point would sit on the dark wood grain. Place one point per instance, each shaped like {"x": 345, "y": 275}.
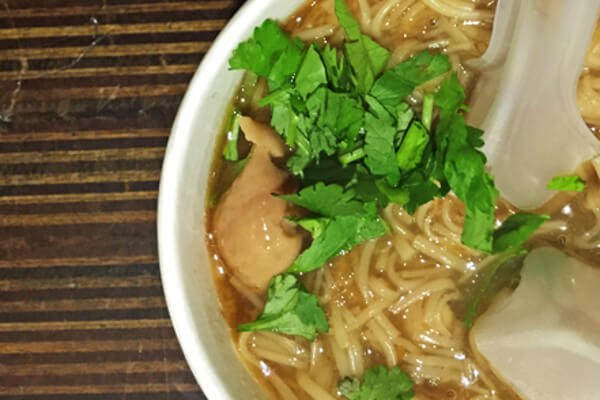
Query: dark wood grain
{"x": 88, "y": 92}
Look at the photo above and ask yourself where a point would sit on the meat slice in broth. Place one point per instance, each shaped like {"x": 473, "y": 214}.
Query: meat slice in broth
{"x": 249, "y": 222}
{"x": 264, "y": 136}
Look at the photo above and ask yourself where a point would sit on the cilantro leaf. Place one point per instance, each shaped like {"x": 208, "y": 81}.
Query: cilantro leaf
{"x": 270, "y": 53}
{"x": 320, "y": 126}
{"x": 328, "y": 170}
{"x": 420, "y": 189}
{"x": 413, "y": 146}
{"x": 480, "y": 205}
{"x": 290, "y": 310}
{"x": 341, "y": 233}
{"x": 369, "y": 226}
{"x": 397, "y": 83}
{"x": 379, "y": 111}
{"x": 404, "y": 116}
{"x": 508, "y": 244}
{"x": 343, "y": 222}
{"x": 297, "y": 162}
{"x": 379, "y": 383}
{"x": 350, "y": 388}
{"x": 347, "y": 20}
{"x": 289, "y": 118}
{"x": 337, "y": 68}
{"x": 392, "y": 194}
{"x": 475, "y": 137}
{"x": 311, "y": 74}
{"x": 332, "y": 240}
{"x": 327, "y": 200}
{"x": 315, "y": 226}
{"x": 503, "y": 268}
{"x": 464, "y": 166}
{"x": 285, "y": 67}
{"x": 450, "y": 97}
{"x": 368, "y": 190}
{"x": 379, "y": 148}
{"x": 322, "y": 140}
{"x": 569, "y": 183}
{"x": 285, "y": 115}
{"x": 516, "y": 230}
{"x": 339, "y": 113}
{"x": 366, "y": 57}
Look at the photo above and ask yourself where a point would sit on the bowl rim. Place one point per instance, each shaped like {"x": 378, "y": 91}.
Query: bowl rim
{"x": 173, "y": 277}
{"x": 172, "y": 169}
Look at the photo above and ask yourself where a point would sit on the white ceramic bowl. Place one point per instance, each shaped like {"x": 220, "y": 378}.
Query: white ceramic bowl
{"x": 184, "y": 264}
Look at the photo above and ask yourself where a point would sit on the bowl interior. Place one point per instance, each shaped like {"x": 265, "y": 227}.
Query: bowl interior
{"x": 185, "y": 270}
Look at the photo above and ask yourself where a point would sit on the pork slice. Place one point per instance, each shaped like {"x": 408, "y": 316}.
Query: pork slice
{"x": 249, "y": 223}
{"x": 263, "y": 136}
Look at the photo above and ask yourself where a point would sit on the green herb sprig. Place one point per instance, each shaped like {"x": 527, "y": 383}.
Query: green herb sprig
{"x": 378, "y": 383}
{"x": 358, "y": 145}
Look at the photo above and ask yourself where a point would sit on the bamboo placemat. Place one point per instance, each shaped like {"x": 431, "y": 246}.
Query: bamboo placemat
{"x": 88, "y": 92}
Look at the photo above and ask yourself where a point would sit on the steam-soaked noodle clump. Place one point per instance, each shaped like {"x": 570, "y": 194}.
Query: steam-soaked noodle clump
{"x": 399, "y": 300}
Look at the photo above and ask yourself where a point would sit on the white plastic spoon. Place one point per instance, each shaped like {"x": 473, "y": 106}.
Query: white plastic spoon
{"x": 492, "y": 62}
{"x": 534, "y": 130}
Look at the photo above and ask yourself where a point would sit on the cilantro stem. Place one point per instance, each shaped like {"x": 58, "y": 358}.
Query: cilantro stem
{"x": 352, "y": 156}
{"x": 230, "y": 153}
{"x": 427, "y": 115}
{"x": 249, "y": 80}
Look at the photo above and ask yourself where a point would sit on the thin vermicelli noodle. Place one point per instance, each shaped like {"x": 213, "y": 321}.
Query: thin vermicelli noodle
{"x": 396, "y": 300}
{"x": 362, "y": 274}
{"x": 426, "y": 344}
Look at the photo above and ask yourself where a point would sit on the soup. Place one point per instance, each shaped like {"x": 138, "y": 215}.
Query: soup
{"x": 398, "y": 299}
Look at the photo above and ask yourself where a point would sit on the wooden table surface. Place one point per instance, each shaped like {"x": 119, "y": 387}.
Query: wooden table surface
{"x": 88, "y": 92}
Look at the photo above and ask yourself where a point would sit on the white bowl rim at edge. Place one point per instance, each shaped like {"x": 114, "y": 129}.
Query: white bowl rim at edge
{"x": 173, "y": 277}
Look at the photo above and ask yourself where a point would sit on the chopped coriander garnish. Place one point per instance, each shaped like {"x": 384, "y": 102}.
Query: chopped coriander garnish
{"x": 490, "y": 278}
{"x": 366, "y": 56}
{"x": 312, "y": 72}
{"x": 508, "y": 245}
{"x": 463, "y": 165}
{"x": 316, "y": 226}
{"x": 394, "y": 85}
{"x": 339, "y": 234}
{"x": 290, "y": 309}
{"x": 327, "y": 200}
{"x": 515, "y": 231}
{"x": 379, "y": 148}
{"x": 344, "y": 221}
{"x": 567, "y": 183}
{"x": 357, "y": 145}
{"x": 270, "y": 53}
{"x": 330, "y": 107}
{"x": 378, "y": 383}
